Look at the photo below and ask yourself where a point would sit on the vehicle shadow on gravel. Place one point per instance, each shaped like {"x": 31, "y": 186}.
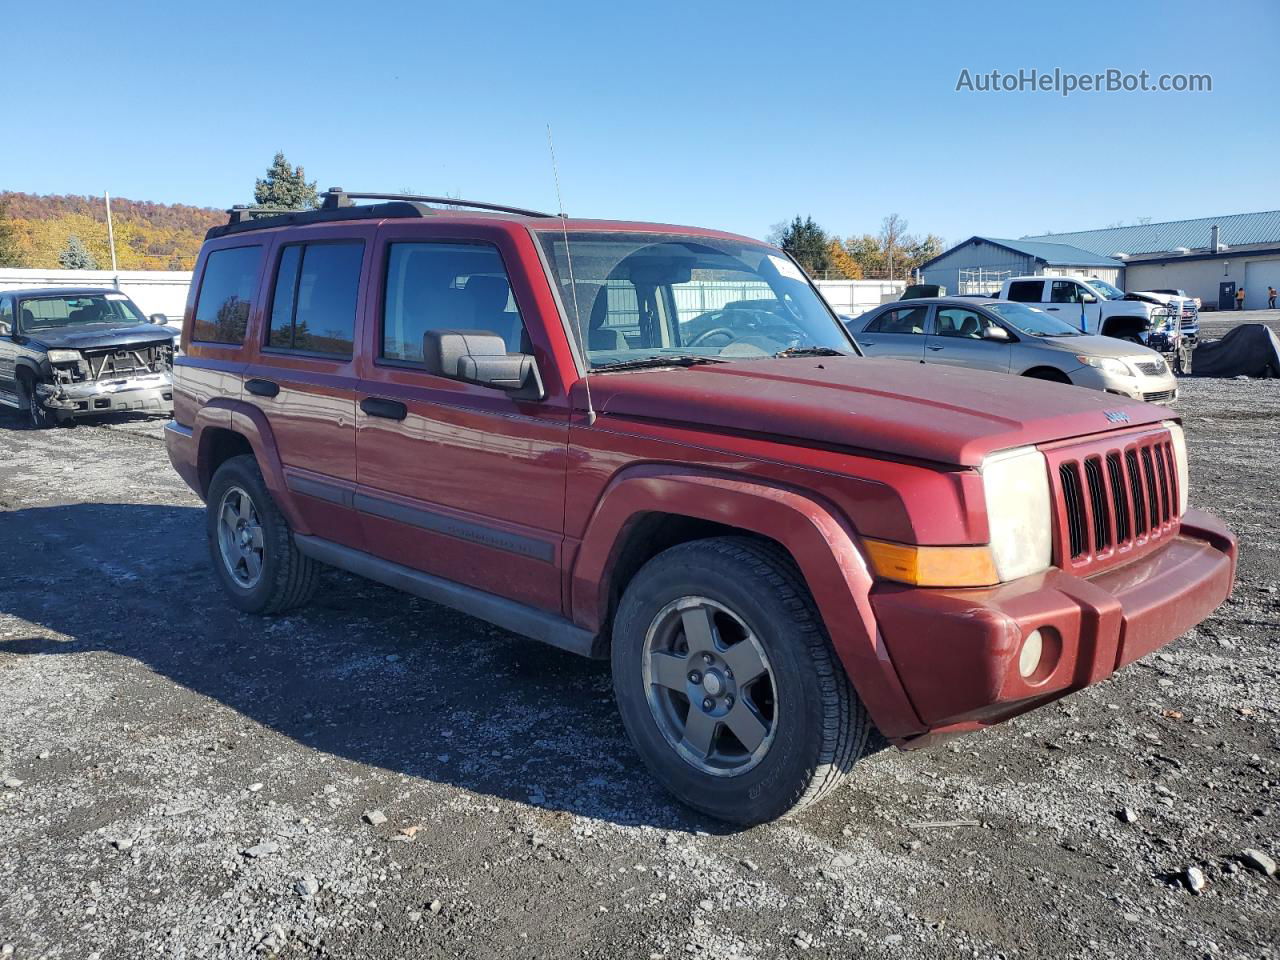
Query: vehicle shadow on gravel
{"x": 366, "y": 673}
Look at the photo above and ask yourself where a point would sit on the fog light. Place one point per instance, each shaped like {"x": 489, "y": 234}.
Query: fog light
{"x": 1032, "y": 650}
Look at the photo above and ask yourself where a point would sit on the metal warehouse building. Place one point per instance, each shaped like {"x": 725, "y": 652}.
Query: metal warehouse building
{"x": 982, "y": 264}
{"x": 1209, "y": 258}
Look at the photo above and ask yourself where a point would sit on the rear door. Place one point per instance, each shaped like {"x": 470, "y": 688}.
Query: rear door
{"x": 958, "y": 339}
{"x": 301, "y": 373}
{"x": 457, "y": 480}
{"x": 898, "y": 332}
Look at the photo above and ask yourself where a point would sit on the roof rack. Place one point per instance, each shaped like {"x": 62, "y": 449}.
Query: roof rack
{"x": 337, "y": 205}
{"x": 335, "y": 198}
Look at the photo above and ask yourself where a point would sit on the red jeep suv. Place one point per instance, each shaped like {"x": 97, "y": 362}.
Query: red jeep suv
{"x": 657, "y": 444}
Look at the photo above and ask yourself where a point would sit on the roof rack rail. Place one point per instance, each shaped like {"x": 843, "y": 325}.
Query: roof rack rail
{"x": 335, "y": 198}
{"x": 337, "y": 205}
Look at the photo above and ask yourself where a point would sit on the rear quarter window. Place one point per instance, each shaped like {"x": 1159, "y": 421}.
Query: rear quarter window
{"x": 1027, "y": 291}
{"x": 227, "y": 287}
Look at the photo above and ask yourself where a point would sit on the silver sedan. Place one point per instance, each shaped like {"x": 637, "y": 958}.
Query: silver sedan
{"x": 1007, "y": 337}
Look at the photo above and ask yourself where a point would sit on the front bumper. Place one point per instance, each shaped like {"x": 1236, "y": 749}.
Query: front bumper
{"x": 956, "y": 651}
{"x": 152, "y": 393}
{"x": 1153, "y": 389}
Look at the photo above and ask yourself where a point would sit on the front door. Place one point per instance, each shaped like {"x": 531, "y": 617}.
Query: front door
{"x": 1066, "y": 302}
{"x": 8, "y": 349}
{"x": 958, "y": 339}
{"x": 897, "y": 333}
{"x": 457, "y": 480}
{"x": 302, "y": 373}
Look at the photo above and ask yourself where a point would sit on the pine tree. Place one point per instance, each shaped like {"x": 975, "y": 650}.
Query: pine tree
{"x": 808, "y": 243}
{"x": 76, "y": 256}
{"x": 285, "y": 188}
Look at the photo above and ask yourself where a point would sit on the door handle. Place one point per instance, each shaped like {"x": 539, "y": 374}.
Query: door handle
{"x": 382, "y": 407}
{"x": 1055, "y": 309}
{"x": 935, "y": 348}
{"x": 262, "y": 388}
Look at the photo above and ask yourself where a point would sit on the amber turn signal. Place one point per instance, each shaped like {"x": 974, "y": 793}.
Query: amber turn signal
{"x": 932, "y": 566}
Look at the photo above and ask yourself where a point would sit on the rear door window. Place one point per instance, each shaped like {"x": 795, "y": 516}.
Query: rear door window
{"x": 1027, "y": 291}
{"x": 902, "y": 320}
{"x": 226, "y": 293}
{"x": 313, "y": 308}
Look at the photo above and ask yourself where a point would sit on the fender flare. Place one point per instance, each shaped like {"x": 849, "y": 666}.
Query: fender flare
{"x": 251, "y": 423}
{"x": 820, "y": 540}
{"x": 28, "y": 363}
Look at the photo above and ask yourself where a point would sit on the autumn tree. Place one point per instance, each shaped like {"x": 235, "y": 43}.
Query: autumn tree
{"x": 285, "y": 188}
{"x": 10, "y": 252}
{"x": 76, "y": 256}
{"x": 894, "y": 252}
{"x": 807, "y": 243}
{"x": 843, "y": 266}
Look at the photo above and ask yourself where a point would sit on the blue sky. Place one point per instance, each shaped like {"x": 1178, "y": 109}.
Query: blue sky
{"x": 734, "y": 115}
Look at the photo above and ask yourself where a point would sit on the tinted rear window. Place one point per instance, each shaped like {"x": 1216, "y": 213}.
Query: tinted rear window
{"x": 1026, "y": 291}
{"x": 314, "y": 306}
{"x": 226, "y": 293}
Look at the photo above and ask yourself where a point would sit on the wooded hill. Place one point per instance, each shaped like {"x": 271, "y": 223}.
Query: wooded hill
{"x": 149, "y": 236}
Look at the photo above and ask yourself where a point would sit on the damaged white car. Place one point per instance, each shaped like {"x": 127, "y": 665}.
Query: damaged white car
{"x": 80, "y": 352}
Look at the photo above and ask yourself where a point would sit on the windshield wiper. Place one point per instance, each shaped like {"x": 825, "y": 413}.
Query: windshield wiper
{"x": 810, "y": 352}
{"x": 677, "y": 360}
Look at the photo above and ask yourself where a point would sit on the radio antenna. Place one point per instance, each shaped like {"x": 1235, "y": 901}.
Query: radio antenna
{"x": 573, "y": 285}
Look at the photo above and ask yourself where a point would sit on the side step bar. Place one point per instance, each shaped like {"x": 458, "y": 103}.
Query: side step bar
{"x": 501, "y": 612}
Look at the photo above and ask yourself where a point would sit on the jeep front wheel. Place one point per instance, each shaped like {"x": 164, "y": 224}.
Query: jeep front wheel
{"x": 251, "y": 545}
{"x": 728, "y": 685}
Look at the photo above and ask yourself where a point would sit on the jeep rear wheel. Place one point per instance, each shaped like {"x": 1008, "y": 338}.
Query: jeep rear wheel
{"x": 251, "y": 545}
{"x": 728, "y": 685}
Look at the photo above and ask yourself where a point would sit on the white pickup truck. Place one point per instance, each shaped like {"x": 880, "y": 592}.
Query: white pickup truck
{"x": 1095, "y": 306}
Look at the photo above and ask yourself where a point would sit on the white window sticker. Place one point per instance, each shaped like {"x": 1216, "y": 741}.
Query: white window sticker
{"x": 786, "y": 267}
{"x": 116, "y": 296}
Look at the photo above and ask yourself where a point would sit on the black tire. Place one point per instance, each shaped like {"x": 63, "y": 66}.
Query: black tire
{"x": 1049, "y": 374}
{"x": 286, "y": 577}
{"x": 34, "y": 415}
{"x": 820, "y": 727}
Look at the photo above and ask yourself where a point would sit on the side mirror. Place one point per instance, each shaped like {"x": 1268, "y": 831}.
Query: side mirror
{"x": 1088, "y": 298}
{"x": 999, "y": 334}
{"x": 479, "y": 357}
{"x": 159, "y": 318}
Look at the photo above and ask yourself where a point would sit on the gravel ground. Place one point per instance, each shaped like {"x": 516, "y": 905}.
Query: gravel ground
{"x": 179, "y": 780}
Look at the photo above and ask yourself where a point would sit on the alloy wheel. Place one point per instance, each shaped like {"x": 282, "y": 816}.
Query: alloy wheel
{"x": 709, "y": 686}
{"x": 240, "y": 538}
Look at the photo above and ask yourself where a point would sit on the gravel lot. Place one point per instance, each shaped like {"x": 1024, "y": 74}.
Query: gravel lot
{"x": 179, "y": 780}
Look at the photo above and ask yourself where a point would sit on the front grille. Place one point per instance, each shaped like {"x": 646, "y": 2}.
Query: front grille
{"x": 1152, "y": 368}
{"x": 134, "y": 360}
{"x": 1114, "y": 497}
{"x": 1159, "y": 396}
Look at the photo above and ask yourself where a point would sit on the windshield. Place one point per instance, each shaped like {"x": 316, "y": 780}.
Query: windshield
{"x": 1107, "y": 290}
{"x": 47, "y": 313}
{"x": 1032, "y": 320}
{"x": 640, "y": 295}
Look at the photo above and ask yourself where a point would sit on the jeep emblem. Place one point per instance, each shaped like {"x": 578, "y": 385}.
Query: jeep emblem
{"x": 1116, "y": 416}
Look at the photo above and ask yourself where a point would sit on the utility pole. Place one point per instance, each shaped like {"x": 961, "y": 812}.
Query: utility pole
{"x": 111, "y": 233}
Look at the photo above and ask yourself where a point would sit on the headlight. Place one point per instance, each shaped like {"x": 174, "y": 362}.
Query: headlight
{"x": 1108, "y": 365}
{"x": 1016, "y": 483}
{"x": 64, "y": 356}
{"x": 1180, "y": 459}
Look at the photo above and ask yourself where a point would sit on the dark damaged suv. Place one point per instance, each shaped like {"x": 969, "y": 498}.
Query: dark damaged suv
{"x": 74, "y": 352}
{"x": 657, "y": 445}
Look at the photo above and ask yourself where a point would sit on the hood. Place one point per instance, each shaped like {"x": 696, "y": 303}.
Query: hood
{"x": 95, "y": 336}
{"x": 943, "y": 414}
{"x": 1094, "y": 346}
